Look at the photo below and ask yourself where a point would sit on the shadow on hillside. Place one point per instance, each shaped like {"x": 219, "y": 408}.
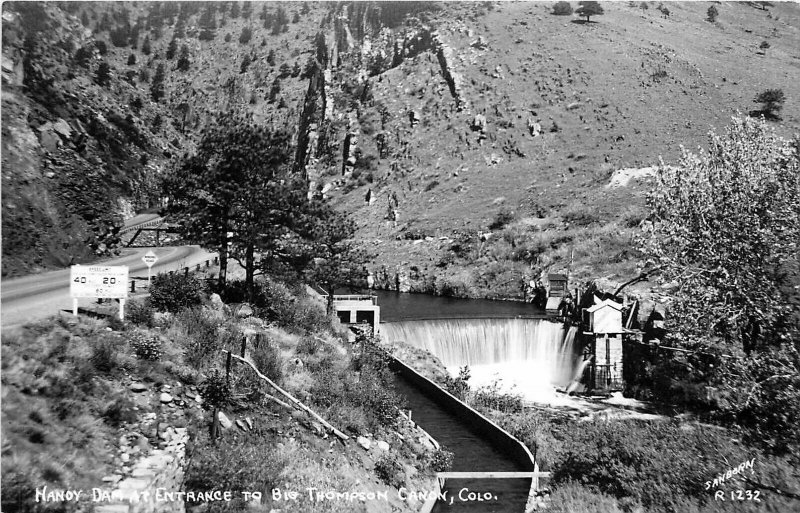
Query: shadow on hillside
{"x": 583, "y": 22}
{"x": 766, "y": 114}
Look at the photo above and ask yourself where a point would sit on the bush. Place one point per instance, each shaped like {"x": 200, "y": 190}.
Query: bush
{"x": 139, "y": 312}
{"x": 215, "y": 391}
{"x": 440, "y": 460}
{"x": 562, "y": 9}
{"x": 118, "y": 411}
{"x": 491, "y": 397}
{"x": 146, "y": 346}
{"x": 104, "y": 355}
{"x": 204, "y": 341}
{"x": 173, "y": 293}
{"x": 267, "y": 359}
{"x": 249, "y": 462}
{"x": 503, "y": 217}
{"x": 389, "y": 470}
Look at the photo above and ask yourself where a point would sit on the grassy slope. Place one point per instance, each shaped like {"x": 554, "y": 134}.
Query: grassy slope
{"x": 595, "y": 82}
{"x": 67, "y": 406}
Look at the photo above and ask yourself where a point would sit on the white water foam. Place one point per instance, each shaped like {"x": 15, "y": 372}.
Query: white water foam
{"x": 530, "y": 357}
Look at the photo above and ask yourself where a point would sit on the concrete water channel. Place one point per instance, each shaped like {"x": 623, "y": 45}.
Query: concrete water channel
{"x": 477, "y": 445}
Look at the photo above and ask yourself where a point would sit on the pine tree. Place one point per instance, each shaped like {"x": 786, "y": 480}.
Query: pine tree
{"x": 172, "y": 48}
{"x": 157, "y": 87}
{"x": 285, "y": 70}
{"x": 235, "y": 10}
{"x": 131, "y": 60}
{"x": 245, "y": 36}
{"x": 271, "y": 58}
{"x": 772, "y": 100}
{"x": 296, "y": 70}
{"x": 146, "y": 45}
{"x": 183, "y": 61}
{"x": 245, "y": 64}
{"x": 103, "y": 76}
{"x": 247, "y": 10}
{"x": 274, "y": 90}
{"x": 208, "y": 25}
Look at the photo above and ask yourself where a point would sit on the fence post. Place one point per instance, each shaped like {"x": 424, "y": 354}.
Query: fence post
{"x": 198, "y": 267}
{"x": 206, "y": 264}
{"x": 228, "y": 369}
{"x": 244, "y": 345}
{"x": 133, "y": 285}
{"x": 216, "y": 260}
{"x": 186, "y": 271}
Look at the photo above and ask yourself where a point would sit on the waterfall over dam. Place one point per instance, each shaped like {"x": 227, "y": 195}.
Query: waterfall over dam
{"x": 527, "y": 356}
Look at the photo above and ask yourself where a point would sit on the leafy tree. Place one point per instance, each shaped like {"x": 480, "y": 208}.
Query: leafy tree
{"x": 589, "y": 9}
{"x": 725, "y": 228}
{"x": 643, "y": 6}
{"x": 101, "y": 46}
{"x": 725, "y": 225}
{"x": 227, "y": 38}
{"x": 247, "y": 33}
{"x": 146, "y": 45}
{"x": 172, "y": 48}
{"x": 712, "y": 14}
{"x": 157, "y": 87}
{"x": 103, "y": 76}
{"x": 773, "y": 102}
{"x": 183, "y": 60}
{"x": 764, "y": 46}
{"x": 562, "y": 9}
{"x": 235, "y": 195}
{"x": 285, "y": 70}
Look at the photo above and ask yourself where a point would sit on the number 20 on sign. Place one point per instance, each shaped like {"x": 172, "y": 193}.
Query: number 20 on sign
{"x": 99, "y": 282}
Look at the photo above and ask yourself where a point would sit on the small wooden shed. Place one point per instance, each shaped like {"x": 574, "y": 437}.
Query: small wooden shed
{"x": 605, "y": 317}
{"x": 557, "y": 285}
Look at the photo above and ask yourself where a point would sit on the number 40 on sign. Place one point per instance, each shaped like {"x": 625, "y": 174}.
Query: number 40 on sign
{"x": 99, "y": 282}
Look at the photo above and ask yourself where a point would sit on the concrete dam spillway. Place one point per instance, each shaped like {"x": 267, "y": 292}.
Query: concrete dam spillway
{"x": 526, "y": 356}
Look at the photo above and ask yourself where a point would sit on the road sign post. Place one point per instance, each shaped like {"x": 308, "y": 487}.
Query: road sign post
{"x": 99, "y": 282}
{"x": 149, "y": 258}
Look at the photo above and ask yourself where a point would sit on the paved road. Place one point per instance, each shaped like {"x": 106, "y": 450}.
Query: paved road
{"x": 41, "y": 295}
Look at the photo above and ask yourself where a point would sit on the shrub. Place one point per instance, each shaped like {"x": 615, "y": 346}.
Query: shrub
{"x": 440, "y": 460}
{"x": 173, "y": 293}
{"x": 562, "y": 9}
{"x": 118, "y": 411}
{"x": 503, "y": 217}
{"x": 204, "y": 341}
{"x": 215, "y": 391}
{"x": 389, "y": 470}
{"x": 712, "y": 14}
{"x": 492, "y": 397}
{"x": 249, "y": 462}
{"x": 267, "y": 359}
{"x": 104, "y": 354}
{"x": 139, "y": 312}
{"x": 146, "y": 346}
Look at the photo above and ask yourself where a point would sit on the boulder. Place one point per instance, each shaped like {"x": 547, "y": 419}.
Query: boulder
{"x": 382, "y": 445}
{"x": 244, "y": 311}
{"x": 364, "y": 442}
{"x": 224, "y": 421}
{"x": 165, "y": 398}
{"x": 478, "y": 123}
{"x": 216, "y": 302}
{"x": 138, "y": 387}
{"x": 63, "y": 129}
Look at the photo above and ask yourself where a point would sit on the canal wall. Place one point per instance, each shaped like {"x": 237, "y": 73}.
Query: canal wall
{"x": 515, "y": 449}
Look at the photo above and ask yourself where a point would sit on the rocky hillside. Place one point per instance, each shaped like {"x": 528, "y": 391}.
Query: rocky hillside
{"x": 474, "y": 142}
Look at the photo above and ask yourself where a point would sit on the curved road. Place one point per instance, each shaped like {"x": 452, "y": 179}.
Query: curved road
{"x": 42, "y": 295}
